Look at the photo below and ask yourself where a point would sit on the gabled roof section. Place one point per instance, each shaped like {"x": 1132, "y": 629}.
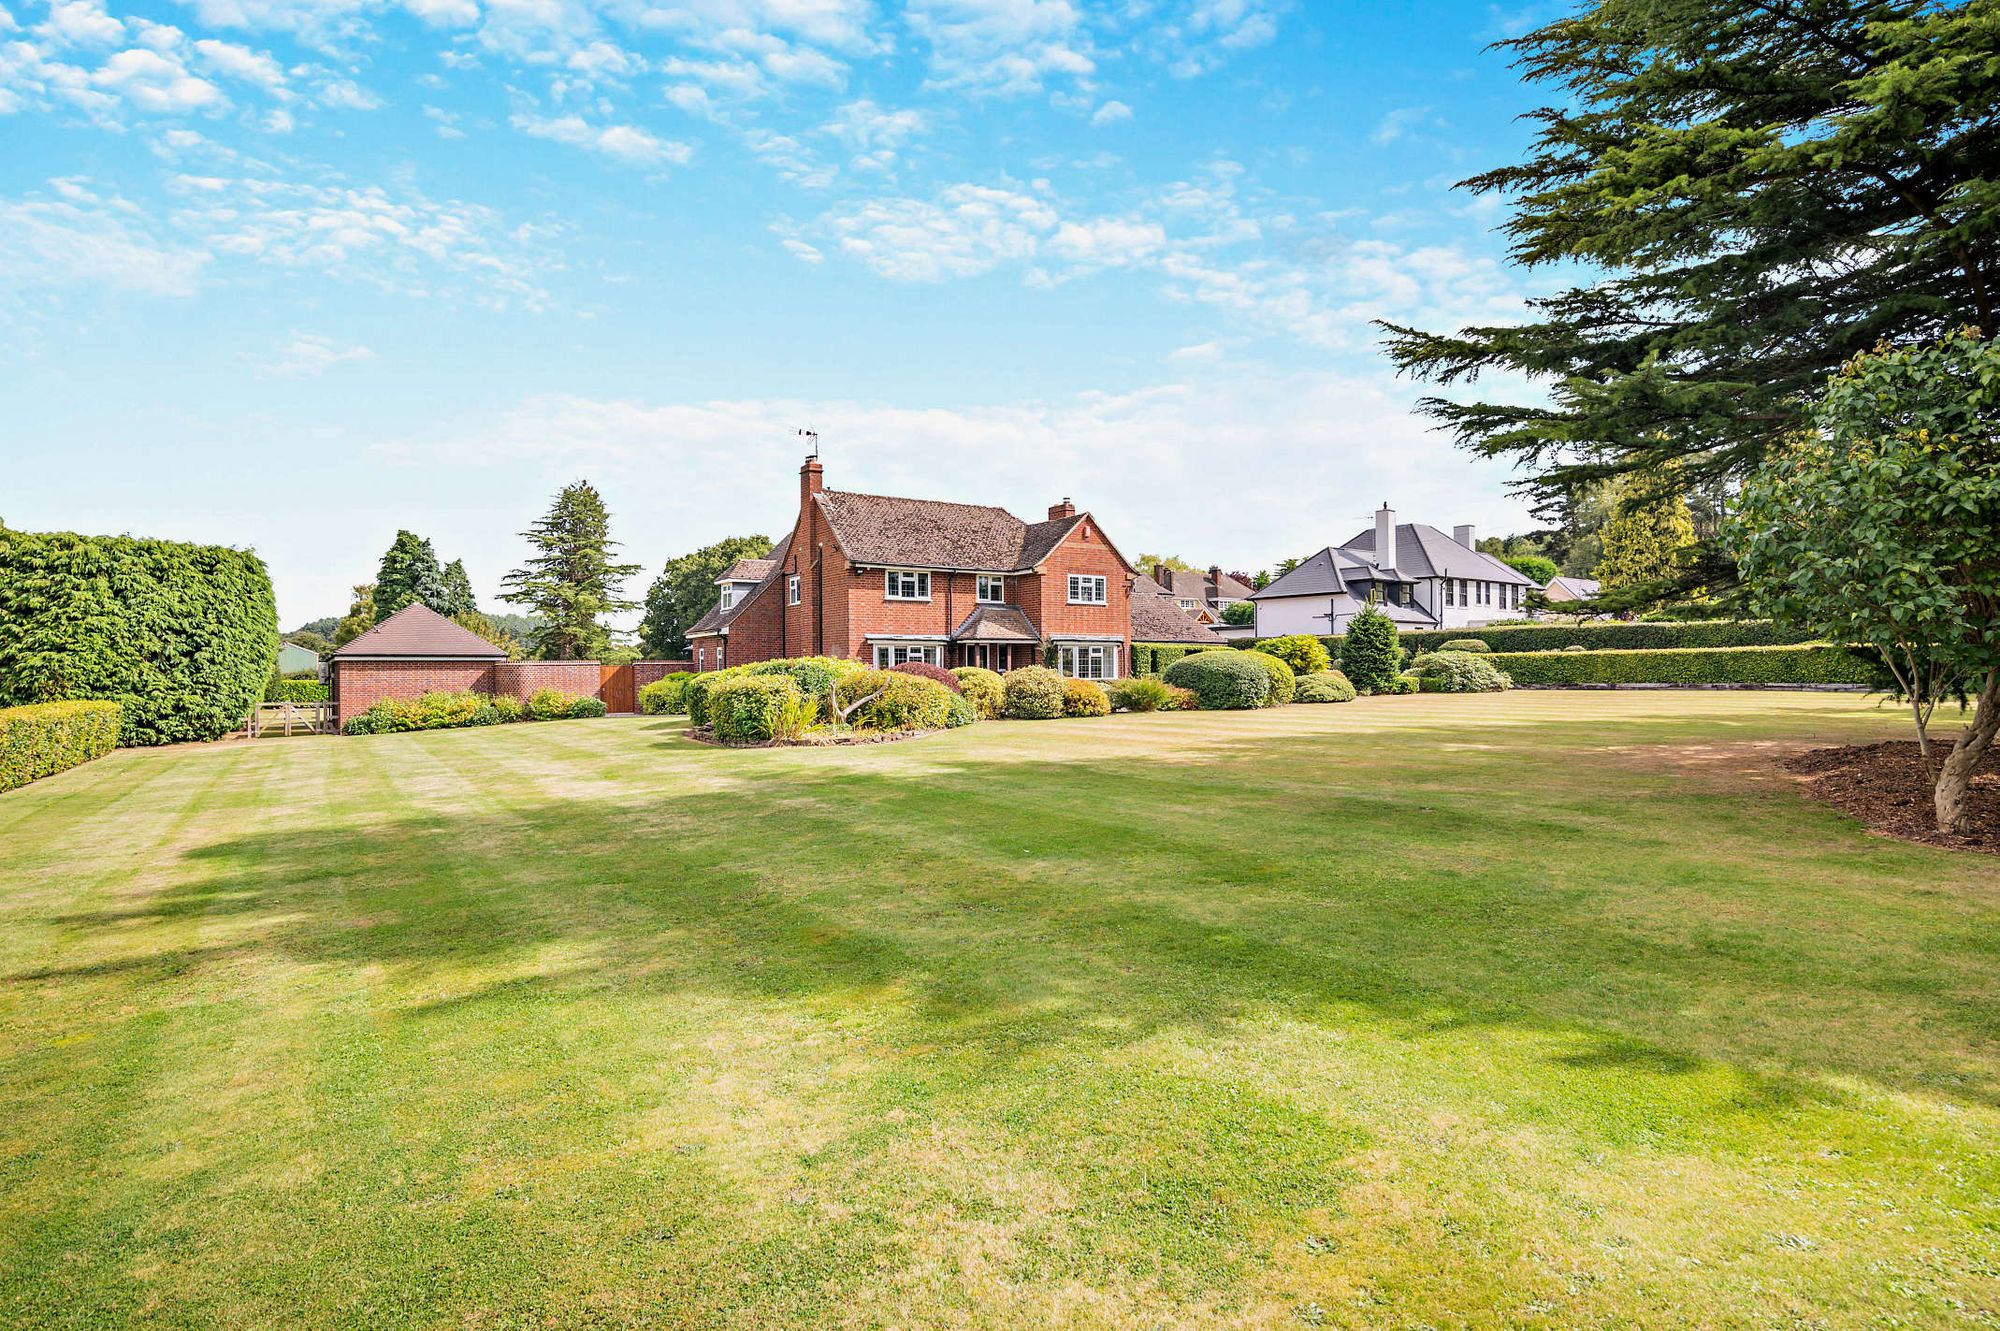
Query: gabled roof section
{"x": 421, "y": 633}
{"x": 1155, "y": 618}
{"x": 1422, "y": 551}
{"x": 748, "y": 570}
{"x": 1325, "y": 573}
{"x": 996, "y": 623}
{"x": 1192, "y": 585}
{"x": 717, "y": 620}
{"x": 1579, "y": 589}
{"x": 885, "y": 531}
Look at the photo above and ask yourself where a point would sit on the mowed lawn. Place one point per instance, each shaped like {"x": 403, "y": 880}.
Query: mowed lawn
{"x": 1534, "y": 1010}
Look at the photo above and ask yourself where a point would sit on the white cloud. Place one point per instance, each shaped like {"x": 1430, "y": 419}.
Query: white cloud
{"x": 1107, "y": 242}
{"x": 307, "y": 355}
{"x": 240, "y": 62}
{"x": 82, "y": 238}
{"x": 624, "y": 143}
{"x": 345, "y": 95}
{"x": 156, "y": 82}
{"x": 967, "y": 230}
{"x": 1111, "y": 113}
{"x": 1404, "y": 122}
{"x": 79, "y": 23}
{"x": 1001, "y": 46}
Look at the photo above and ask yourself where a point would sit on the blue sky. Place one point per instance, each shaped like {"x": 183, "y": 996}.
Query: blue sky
{"x": 292, "y": 274}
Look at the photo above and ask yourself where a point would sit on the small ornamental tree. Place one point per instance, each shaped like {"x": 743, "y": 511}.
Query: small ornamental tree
{"x": 1881, "y": 526}
{"x": 1305, "y": 654}
{"x": 571, "y": 581}
{"x": 1369, "y": 656}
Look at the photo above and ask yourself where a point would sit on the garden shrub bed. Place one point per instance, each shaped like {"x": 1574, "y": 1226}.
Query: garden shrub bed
{"x": 44, "y": 738}
{"x": 1800, "y": 665}
{"x": 452, "y": 710}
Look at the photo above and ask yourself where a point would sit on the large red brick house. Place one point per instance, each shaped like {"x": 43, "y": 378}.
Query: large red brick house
{"x": 887, "y": 580}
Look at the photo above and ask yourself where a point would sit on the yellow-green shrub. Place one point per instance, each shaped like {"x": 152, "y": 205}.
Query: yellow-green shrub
{"x": 1033, "y": 693}
{"x": 983, "y": 689}
{"x": 1081, "y": 697}
{"x": 44, "y": 738}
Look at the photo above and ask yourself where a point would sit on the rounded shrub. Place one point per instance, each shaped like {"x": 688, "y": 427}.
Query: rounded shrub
{"x": 1223, "y": 679}
{"x": 813, "y": 674}
{"x": 587, "y": 707}
{"x": 506, "y": 707}
{"x": 1140, "y": 695}
{"x": 550, "y": 704}
{"x": 1033, "y": 693}
{"x": 1403, "y": 683}
{"x": 925, "y": 670}
{"x": 1477, "y": 646}
{"x": 961, "y": 712}
{"x": 663, "y": 696}
{"x": 694, "y": 693}
{"x": 1082, "y": 697}
{"x": 1369, "y": 655}
{"x": 1283, "y": 682}
{"x": 902, "y": 701}
{"x": 983, "y": 689}
{"x": 1324, "y": 686}
{"x": 1305, "y": 654}
{"x": 747, "y": 709}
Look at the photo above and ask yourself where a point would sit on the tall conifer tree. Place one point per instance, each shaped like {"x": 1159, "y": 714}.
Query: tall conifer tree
{"x": 571, "y": 581}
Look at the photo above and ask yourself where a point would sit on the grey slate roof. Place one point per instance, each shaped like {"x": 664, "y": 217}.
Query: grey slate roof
{"x": 1326, "y": 573}
{"x": 1580, "y": 589}
{"x": 1422, "y": 551}
{"x": 421, "y": 633}
{"x": 886, "y": 531}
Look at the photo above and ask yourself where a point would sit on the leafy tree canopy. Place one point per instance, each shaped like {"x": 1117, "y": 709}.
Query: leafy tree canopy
{"x": 459, "y": 599}
{"x": 360, "y": 616}
{"x": 1647, "y": 544}
{"x": 1151, "y": 565}
{"x": 685, "y": 591}
{"x": 1759, "y": 190}
{"x": 1239, "y": 612}
{"x": 1881, "y": 525}
{"x": 571, "y": 580}
{"x": 409, "y": 572}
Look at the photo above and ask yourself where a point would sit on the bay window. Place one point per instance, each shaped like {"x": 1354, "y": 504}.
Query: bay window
{"x": 1087, "y": 660}
{"x": 895, "y": 653}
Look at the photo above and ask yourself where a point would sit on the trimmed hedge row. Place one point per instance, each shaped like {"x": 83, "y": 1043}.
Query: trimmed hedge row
{"x": 44, "y": 738}
{"x": 1602, "y": 636}
{"x": 1153, "y": 658}
{"x": 296, "y": 690}
{"x": 183, "y": 637}
{"x": 1811, "y": 664}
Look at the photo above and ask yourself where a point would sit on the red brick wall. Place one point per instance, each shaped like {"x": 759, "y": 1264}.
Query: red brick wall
{"x": 652, "y": 672}
{"x": 524, "y": 678}
{"x": 359, "y": 685}
{"x": 1085, "y": 551}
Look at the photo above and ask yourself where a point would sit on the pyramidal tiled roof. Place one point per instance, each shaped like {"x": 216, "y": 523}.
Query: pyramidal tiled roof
{"x": 419, "y": 631}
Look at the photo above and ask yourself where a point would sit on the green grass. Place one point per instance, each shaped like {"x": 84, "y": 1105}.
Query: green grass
{"x": 1531, "y": 1010}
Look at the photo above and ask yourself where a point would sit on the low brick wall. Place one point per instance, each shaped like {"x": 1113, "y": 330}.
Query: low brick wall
{"x": 652, "y": 672}
{"x": 359, "y": 685}
{"x": 523, "y": 678}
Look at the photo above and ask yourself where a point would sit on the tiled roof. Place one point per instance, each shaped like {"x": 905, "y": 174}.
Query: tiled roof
{"x": 1423, "y": 551}
{"x": 1325, "y": 573}
{"x": 748, "y": 570}
{"x": 996, "y": 623}
{"x": 1192, "y": 584}
{"x": 419, "y": 631}
{"x": 882, "y": 530}
{"x": 1581, "y": 589}
{"x": 1155, "y": 618}
{"x": 718, "y": 619}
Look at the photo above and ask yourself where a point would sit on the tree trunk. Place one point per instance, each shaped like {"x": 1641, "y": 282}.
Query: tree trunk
{"x": 1966, "y": 755}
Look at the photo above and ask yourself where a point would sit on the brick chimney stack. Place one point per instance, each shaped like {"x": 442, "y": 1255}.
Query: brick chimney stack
{"x": 812, "y": 479}
{"x": 1065, "y": 509}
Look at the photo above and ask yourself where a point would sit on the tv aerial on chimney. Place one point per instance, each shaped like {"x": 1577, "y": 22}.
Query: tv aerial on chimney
{"x": 809, "y": 433}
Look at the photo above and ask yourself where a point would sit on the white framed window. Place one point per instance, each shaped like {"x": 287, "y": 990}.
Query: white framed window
{"x": 791, "y": 589}
{"x": 900, "y": 584}
{"x": 1085, "y": 589}
{"x": 991, "y": 589}
{"x": 718, "y": 654}
{"x": 1185, "y": 603}
{"x": 1461, "y": 593}
{"x": 1449, "y": 599}
{"x": 728, "y": 595}
{"x": 1087, "y": 660}
{"x": 895, "y": 653}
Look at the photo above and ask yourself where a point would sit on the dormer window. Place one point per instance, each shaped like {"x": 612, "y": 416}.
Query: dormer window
{"x": 992, "y": 589}
{"x": 728, "y": 595}
{"x": 907, "y": 585}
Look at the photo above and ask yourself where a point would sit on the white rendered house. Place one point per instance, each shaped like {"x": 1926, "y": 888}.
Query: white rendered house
{"x": 1422, "y": 578}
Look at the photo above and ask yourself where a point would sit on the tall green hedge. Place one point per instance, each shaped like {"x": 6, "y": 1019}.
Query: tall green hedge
{"x": 1153, "y": 658}
{"x": 1609, "y": 636}
{"x": 183, "y": 637}
{"x": 45, "y": 738}
{"x": 1818, "y": 664}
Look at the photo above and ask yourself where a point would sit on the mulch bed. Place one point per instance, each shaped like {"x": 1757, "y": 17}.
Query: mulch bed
{"x": 823, "y": 739}
{"x": 1884, "y": 786}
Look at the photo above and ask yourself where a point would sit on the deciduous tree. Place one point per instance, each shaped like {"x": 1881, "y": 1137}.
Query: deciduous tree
{"x": 1881, "y": 525}
{"x": 685, "y": 591}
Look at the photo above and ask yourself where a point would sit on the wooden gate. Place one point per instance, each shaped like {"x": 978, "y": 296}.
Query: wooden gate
{"x": 614, "y": 686}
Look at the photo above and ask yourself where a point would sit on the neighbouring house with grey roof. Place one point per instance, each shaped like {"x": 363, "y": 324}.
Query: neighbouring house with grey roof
{"x": 1420, "y": 577}
{"x": 1203, "y": 595}
{"x": 1562, "y": 588}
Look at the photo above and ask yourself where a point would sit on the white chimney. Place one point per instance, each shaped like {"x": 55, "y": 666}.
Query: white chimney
{"x": 1463, "y": 535}
{"x": 1385, "y": 536}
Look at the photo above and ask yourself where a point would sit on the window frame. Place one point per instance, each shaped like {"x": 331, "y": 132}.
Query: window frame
{"x": 890, "y": 581}
{"x": 1088, "y": 581}
{"x": 1450, "y": 601}
{"x": 999, "y": 581}
{"x": 726, "y": 595}
{"x": 885, "y": 654}
{"x": 1070, "y": 657}
{"x": 791, "y": 589}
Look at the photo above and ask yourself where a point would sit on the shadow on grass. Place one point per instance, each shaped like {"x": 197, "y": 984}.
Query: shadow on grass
{"x": 1006, "y": 912}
